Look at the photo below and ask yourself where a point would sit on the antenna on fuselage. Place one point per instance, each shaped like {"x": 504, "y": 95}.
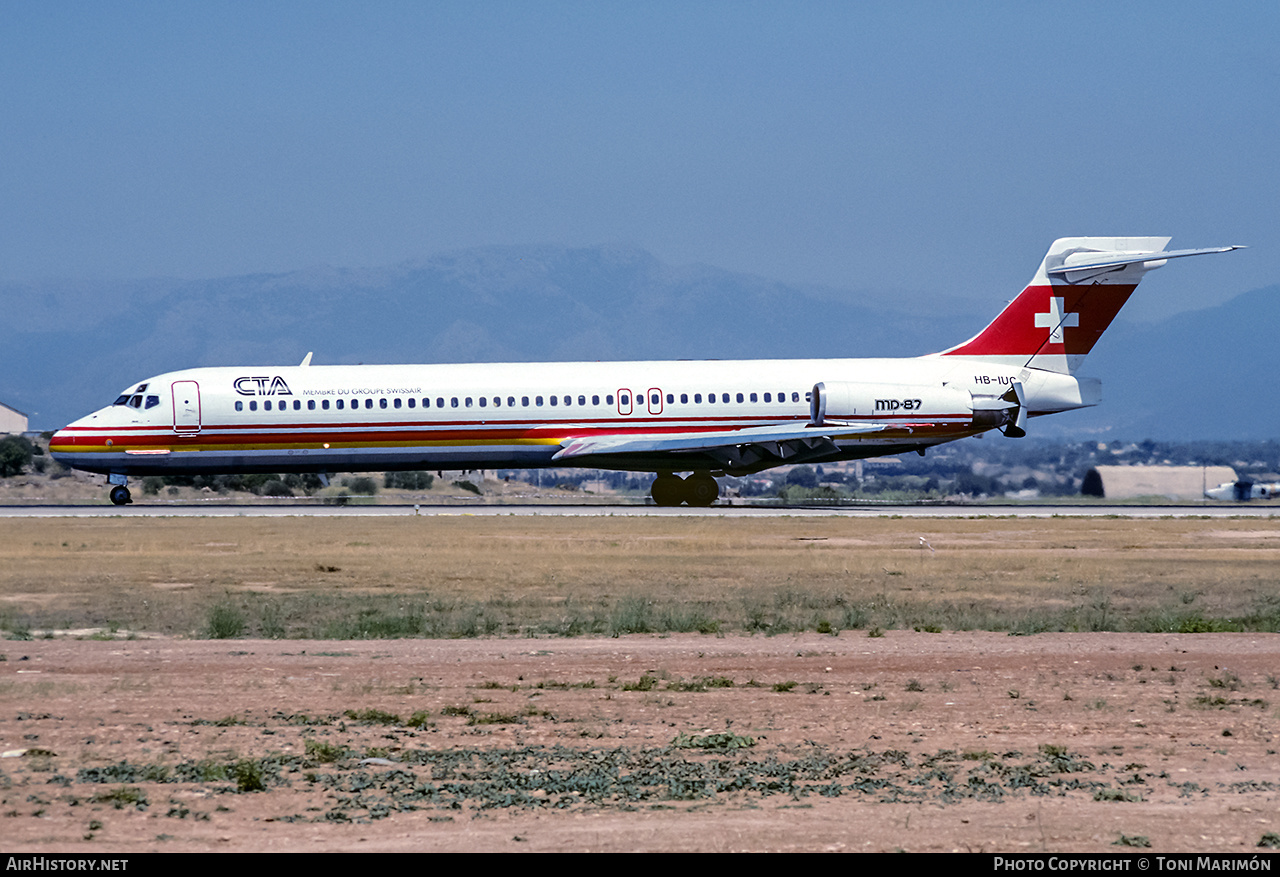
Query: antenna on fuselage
{"x": 306, "y": 360}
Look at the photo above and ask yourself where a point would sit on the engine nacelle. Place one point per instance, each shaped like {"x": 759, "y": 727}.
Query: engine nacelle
{"x": 846, "y": 401}
{"x": 843, "y": 400}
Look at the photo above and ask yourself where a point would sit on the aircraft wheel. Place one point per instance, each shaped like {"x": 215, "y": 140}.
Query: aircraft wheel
{"x": 701, "y": 489}
{"x": 120, "y": 495}
{"x": 667, "y": 490}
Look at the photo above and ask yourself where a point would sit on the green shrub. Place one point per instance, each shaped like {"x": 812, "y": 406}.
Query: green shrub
{"x": 15, "y": 455}
{"x": 225, "y": 622}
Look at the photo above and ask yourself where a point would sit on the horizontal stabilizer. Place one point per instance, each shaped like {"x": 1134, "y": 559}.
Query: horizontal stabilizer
{"x": 1080, "y": 266}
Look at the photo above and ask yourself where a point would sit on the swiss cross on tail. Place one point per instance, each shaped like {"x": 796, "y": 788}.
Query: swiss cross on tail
{"x": 1055, "y": 320}
{"x": 1076, "y": 293}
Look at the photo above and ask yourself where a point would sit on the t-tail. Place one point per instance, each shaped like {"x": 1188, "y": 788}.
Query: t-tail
{"x": 1078, "y": 290}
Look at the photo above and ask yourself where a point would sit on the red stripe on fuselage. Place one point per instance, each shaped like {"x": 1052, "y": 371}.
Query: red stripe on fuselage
{"x": 261, "y": 435}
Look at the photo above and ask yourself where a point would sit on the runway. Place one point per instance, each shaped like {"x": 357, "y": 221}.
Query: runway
{"x": 160, "y": 510}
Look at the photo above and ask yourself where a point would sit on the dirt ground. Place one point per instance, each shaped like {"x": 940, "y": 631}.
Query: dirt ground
{"x": 911, "y": 740}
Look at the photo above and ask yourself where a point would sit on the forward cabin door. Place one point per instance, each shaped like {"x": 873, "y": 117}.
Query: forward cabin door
{"x": 186, "y": 406}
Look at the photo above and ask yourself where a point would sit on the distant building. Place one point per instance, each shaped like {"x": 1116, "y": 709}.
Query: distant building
{"x": 1173, "y": 482}
{"x": 12, "y": 420}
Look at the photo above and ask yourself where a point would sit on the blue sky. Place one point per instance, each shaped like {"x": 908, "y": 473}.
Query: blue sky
{"x": 916, "y": 149}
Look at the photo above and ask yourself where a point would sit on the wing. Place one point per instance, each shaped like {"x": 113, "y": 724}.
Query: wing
{"x": 731, "y": 449}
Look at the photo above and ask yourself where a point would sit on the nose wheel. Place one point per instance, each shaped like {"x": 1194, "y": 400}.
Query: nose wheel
{"x": 120, "y": 495}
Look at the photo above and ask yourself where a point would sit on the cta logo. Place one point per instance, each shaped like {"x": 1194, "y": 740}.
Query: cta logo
{"x": 262, "y": 386}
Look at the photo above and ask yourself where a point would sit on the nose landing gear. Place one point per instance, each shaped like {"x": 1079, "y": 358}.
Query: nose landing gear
{"x": 119, "y": 493}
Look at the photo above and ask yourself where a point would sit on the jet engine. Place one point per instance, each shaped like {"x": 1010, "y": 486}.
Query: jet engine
{"x": 844, "y": 401}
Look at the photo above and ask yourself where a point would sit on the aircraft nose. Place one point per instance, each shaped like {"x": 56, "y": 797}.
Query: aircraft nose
{"x": 62, "y": 440}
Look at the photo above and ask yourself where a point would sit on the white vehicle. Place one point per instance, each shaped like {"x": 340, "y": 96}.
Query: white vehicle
{"x": 1242, "y": 491}
{"x": 703, "y": 418}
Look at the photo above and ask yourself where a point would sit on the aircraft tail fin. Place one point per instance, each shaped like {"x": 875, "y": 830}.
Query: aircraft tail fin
{"x": 1076, "y": 293}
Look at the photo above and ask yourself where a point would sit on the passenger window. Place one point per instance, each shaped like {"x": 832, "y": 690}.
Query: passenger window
{"x": 266, "y": 406}
{"x": 468, "y": 402}
{"x": 511, "y": 401}
{"x": 382, "y": 403}
{"x": 582, "y": 400}
{"x": 753, "y": 397}
{"x": 537, "y": 400}
{"x": 711, "y": 398}
{"x": 697, "y": 398}
{"x": 297, "y": 405}
{"x": 739, "y": 397}
{"x": 768, "y": 397}
{"x": 608, "y": 400}
{"x": 595, "y": 400}
{"x": 440, "y": 402}
{"x": 253, "y": 406}
{"x": 311, "y": 404}
{"x": 239, "y": 405}
{"x": 325, "y": 404}
{"x": 497, "y": 401}
{"x": 654, "y": 399}
{"x": 453, "y": 401}
{"x": 671, "y": 397}
{"x": 524, "y": 400}
{"x": 724, "y": 397}
{"x": 368, "y": 403}
{"x": 555, "y": 400}
{"x": 684, "y": 398}
{"x": 340, "y": 403}
{"x": 396, "y": 402}
{"x": 795, "y": 397}
{"x": 484, "y": 403}
{"x": 624, "y": 399}
{"x": 412, "y": 402}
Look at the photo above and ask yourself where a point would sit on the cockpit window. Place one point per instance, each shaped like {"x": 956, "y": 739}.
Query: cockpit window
{"x": 121, "y": 399}
{"x": 135, "y": 401}
{"x": 152, "y": 401}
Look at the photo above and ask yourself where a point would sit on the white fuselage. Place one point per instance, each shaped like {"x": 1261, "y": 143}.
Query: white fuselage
{"x": 491, "y": 415}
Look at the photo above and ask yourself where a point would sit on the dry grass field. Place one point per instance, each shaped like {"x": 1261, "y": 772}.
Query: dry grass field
{"x": 462, "y": 576}
{"x": 639, "y": 683}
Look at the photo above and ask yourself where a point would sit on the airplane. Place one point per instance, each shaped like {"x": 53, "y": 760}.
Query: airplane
{"x": 1244, "y": 490}
{"x": 704, "y": 418}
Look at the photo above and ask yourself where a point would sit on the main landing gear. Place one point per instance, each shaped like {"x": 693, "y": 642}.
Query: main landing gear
{"x": 119, "y": 493}
{"x": 699, "y": 489}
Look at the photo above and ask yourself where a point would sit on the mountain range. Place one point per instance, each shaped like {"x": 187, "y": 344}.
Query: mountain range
{"x": 71, "y": 347}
